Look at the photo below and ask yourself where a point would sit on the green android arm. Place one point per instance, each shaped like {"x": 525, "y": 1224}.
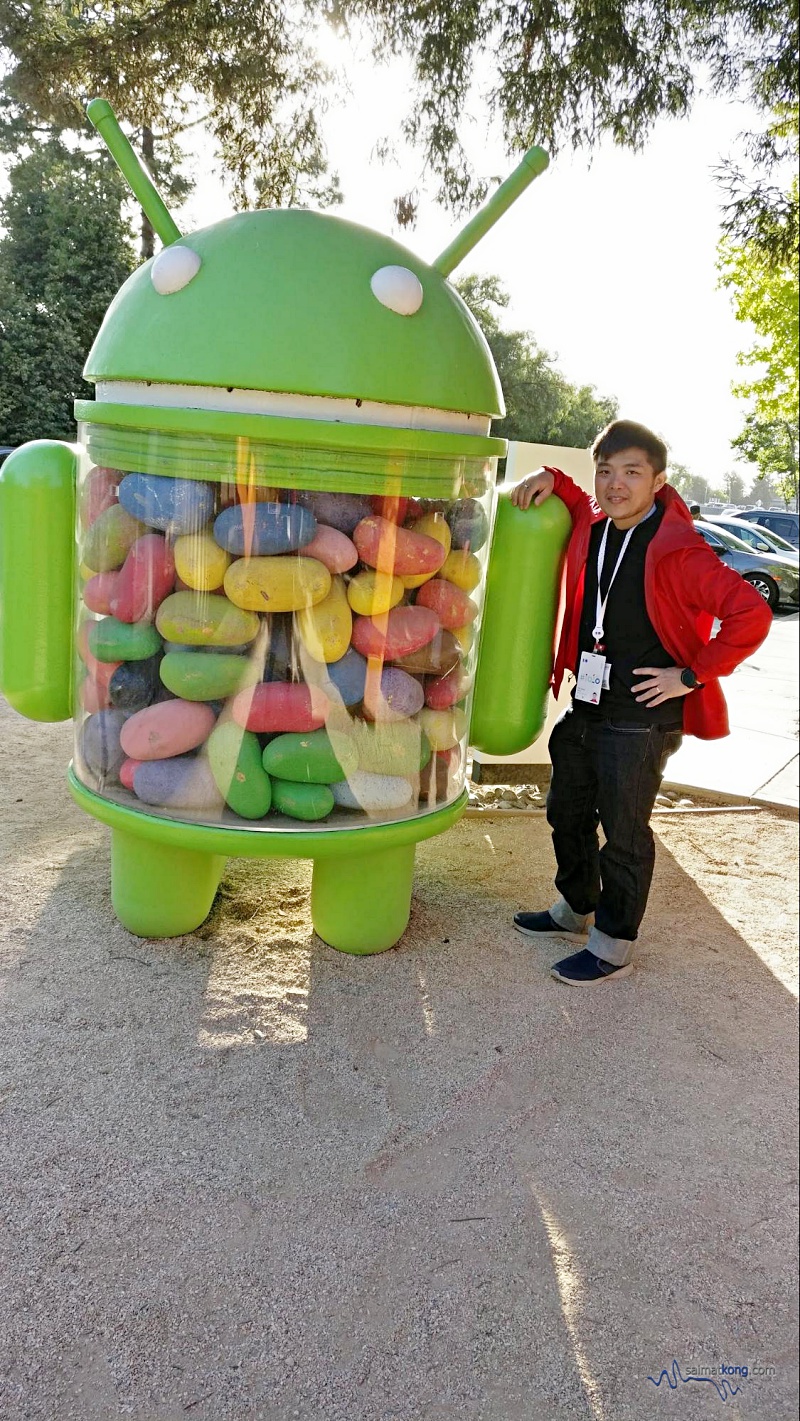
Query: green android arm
{"x": 268, "y": 583}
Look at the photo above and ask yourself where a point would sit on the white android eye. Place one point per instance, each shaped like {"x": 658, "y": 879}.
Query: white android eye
{"x": 173, "y": 269}
{"x": 398, "y": 288}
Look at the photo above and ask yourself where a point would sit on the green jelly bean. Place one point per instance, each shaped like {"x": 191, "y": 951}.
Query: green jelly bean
{"x": 306, "y": 758}
{"x": 110, "y": 538}
{"x": 235, "y": 759}
{"x": 110, "y": 640}
{"x": 205, "y": 619}
{"x": 301, "y": 801}
{"x": 207, "y": 676}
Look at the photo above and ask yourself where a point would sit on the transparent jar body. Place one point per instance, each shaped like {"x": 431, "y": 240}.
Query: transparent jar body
{"x": 276, "y": 638}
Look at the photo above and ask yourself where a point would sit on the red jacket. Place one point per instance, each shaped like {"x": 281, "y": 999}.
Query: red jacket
{"x": 685, "y": 588}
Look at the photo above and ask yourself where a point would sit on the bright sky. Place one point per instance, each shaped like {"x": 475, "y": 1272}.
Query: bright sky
{"x": 611, "y": 265}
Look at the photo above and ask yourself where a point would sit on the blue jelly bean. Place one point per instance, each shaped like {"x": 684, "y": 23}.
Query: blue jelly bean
{"x": 469, "y": 526}
{"x": 172, "y": 505}
{"x": 349, "y": 676}
{"x": 135, "y": 684}
{"x": 264, "y": 529}
{"x": 99, "y": 750}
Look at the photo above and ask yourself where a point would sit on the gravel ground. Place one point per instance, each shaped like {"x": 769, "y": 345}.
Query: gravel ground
{"x": 247, "y": 1178}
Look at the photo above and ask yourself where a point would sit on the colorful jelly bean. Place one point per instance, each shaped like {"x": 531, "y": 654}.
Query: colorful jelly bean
{"x": 462, "y": 568}
{"x": 200, "y": 562}
{"x": 144, "y": 580}
{"x": 332, "y": 548}
{"x": 185, "y": 782}
{"x": 309, "y": 759}
{"x": 309, "y": 802}
{"x": 337, "y": 510}
{"x": 441, "y": 692}
{"x": 170, "y": 505}
{"x": 443, "y": 728}
{"x": 234, "y": 756}
{"x": 207, "y": 675}
{"x": 280, "y": 706}
{"x": 98, "y": 493}
{"x": 264, "y": 529}
{"x": 98, "y": 592}
{"x": 396, "y": 634}
{"x": 401, "y": 551}
{"x": 392, "y": 694}
{"x": 390, "y": 506}
{"x": 452, "y": 606}
{"x": 433, "y": 525}
{"x": 198, "y": 619}
{"x": 110, "y": 538}
{"x": 99, "y": 747}
{"x": 111, "y": 640}
{"x": 162, "y": 731}
{"x": 436, "y": 659}
{"x": 469, "y": 525}
{"x": 325, "y": 629}
{"x": 276, "y": 584}
{"x": 135, "y": 684}
{"x": 344, "y": 680}
{"x": 370, "y": 593}
{"x": 374, "y": 794}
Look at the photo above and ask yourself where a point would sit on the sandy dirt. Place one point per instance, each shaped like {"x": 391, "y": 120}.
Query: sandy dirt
{"x": 246, "y": 1178}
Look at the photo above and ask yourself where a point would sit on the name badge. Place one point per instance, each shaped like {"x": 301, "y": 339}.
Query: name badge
{"x": 594, "y": 674}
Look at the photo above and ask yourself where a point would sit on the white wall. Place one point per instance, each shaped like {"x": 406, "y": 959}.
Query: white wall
{"x": 524, "y": 459}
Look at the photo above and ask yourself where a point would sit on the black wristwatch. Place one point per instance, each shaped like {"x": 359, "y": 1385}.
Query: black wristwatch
{"x": 689, "y": 679}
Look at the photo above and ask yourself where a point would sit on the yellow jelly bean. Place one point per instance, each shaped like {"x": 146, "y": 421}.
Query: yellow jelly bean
{"x": 434, "y": 525}
{"x": 465, "y": 637}
{"x": 200, "y": 562}
{"x": 462, "y": 568}
{"x": 277, "y": 584}
{"x": 371, "y": 593}
{"x": 444, "y": 728}
{"x": 325, "y": 628}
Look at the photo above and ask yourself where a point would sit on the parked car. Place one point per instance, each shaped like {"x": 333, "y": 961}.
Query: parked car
{"x": 761, "y": 540}
{"x": 774, "y": 577}
{"x": 786, "y": 524}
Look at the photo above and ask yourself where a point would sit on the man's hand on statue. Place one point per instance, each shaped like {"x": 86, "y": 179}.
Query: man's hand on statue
{"x": 664, "y": 684}
{"x": 535, "y": 488}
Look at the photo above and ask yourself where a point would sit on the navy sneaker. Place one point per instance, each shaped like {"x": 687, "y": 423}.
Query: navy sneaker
{"x": 583, "y": 969}
{"x": 541, "y": 924}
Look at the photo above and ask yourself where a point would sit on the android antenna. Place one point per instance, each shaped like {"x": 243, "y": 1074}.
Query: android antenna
{"x": 534, "y": 163}
{"x": 139, "y": 181}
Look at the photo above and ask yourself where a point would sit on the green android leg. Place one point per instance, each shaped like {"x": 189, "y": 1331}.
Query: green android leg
{"x": 158, "y": 890}
{"x": 361, "y": 903}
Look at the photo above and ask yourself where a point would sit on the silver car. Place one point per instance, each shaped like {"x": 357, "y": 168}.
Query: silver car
{"x": 774, "y": 577}
{"x": 758, "y": 539}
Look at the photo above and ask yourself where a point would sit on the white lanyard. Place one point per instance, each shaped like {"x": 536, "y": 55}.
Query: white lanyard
{"x": 600, "y": 610}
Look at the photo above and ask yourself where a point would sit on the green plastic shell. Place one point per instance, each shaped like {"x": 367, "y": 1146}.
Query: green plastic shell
{"x": 519, "y": 621}
{"x": 282, "y": 302}
{"x": 37, "y": 550}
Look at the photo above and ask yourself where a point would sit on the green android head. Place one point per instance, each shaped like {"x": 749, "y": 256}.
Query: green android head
{"x": 290, "y": 302}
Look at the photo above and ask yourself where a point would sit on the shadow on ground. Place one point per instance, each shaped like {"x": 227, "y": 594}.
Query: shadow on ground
{"x": 249, "y": 1177}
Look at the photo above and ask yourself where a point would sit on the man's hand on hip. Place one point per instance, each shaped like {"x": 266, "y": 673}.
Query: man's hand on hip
{"x": 664, "y": 684}
{"x": 534, "y": 488}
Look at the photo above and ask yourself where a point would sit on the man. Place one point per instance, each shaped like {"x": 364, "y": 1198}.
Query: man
{"x": 642, "y": 589}
{"x": 695, "y": 510}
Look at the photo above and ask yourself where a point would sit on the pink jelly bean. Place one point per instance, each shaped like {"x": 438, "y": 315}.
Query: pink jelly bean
{"x": 280, "y": 706}
{"x": 170, "y": 728}
{"x": 452, "y": 606}
{"x": 99, "y": 590}
{"x": 400, "y": 632}
{"x": 334, "y": 549}
{"x": 146, "y": 577}
{"x": 382, "y": 545}
{"x": 127, "y": 771}
{"x": 98, "y": 493}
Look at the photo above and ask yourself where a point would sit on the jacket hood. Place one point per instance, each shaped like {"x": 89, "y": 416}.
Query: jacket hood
{"x": 677, "y": 526}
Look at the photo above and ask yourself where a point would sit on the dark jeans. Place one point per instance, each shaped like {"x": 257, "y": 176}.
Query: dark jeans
{"x": 606, "y": 772}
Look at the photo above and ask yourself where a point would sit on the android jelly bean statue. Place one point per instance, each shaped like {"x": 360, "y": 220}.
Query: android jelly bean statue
{"x": 272, "y": 582}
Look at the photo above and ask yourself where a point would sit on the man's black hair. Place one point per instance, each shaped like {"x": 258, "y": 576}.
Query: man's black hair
{"x": 627, "y": 434}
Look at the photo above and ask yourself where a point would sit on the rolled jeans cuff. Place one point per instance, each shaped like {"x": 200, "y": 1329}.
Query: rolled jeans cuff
{"x": 617, "y": 950}
{"x": 571, "y": 922}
